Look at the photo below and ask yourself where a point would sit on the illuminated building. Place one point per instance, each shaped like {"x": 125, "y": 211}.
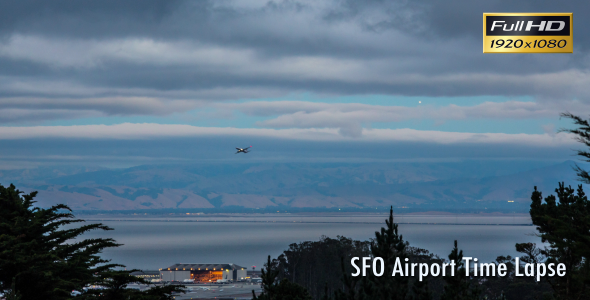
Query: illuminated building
{"x": 203, "y": 272}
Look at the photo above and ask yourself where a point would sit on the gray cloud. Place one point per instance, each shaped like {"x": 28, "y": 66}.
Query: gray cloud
{"x": 106, "y": 105}
{"x": 350, "y": 117}
{"x": 66, "y": 59}
{"x": 15, "y": 115}
{"x": 134, "y": 144}
{"x": 37, "y": 110}
{"x": 229, "y": 50}
{"x": 151, "y": 131}
{"x": 206, "y": 20}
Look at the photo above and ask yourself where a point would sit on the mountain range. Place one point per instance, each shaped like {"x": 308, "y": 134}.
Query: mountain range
{"x": 448, "y": 186}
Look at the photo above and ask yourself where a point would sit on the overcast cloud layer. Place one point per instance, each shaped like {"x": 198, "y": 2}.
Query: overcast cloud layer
{"x": 268, "y": 67}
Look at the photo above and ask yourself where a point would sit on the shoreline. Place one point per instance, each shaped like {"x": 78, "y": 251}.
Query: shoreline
{"x": 491, "y": 219}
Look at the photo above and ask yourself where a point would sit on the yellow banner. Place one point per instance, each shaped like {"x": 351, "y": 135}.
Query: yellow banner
{"x": 528, "y": 33}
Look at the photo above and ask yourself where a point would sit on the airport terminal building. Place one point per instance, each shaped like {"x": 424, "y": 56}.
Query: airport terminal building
{"x": 203, "y": 272}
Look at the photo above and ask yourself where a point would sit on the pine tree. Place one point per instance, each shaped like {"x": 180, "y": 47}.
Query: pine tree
{"x": 38, "y": 258}
{"x": 583, "y": 136}
{"x": 564, "y": 223}
{"x": 389, "y": 245}
{"x": 458, "y": 286}
{"x": 565, "y": 226}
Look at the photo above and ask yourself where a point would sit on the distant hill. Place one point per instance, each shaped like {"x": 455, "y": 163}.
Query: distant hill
{"x": 472, "y": 185}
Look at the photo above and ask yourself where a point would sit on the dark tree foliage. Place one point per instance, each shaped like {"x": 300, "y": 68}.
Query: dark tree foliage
{"x": 431, "y": 287}
{"x": 583, "y": 136}
{"x": 420, "y": 291}
{"x": 564, "y": 223}
{"x": 327, "y": 294}
{"x": 512, "y": 287}
{"x": 12, "y": 294}
{"x": 532, "y": 254}
{"x": 38, "y": 258}
{"x": 561, "y": 223}
{"x": 116, "y": 282}
{"x": 275, "y": 289}
{"x": 43, "y": 257}
{"x": 314, "y": 265}
{"x": 166, "y": 292}
{"x": 458, "y": 287}
{"x": 353, "y": 288}
{"x": 389, "y": 245}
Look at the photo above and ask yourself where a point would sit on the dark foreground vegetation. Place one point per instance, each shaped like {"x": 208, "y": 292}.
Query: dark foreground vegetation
{"x": 313, "y": 270}
{"x": 43, "y": 257}
{"x": 40, "y": 259}
{"x": 308, "y": 270}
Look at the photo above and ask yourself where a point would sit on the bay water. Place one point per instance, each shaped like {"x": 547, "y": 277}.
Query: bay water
{"x": 154, "y": 242}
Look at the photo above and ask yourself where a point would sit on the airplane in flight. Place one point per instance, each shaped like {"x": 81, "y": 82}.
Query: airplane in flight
{"x": 243, "y": 150}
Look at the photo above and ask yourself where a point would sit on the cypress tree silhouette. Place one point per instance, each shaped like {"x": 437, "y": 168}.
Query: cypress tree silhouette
{"x": 565, "y": 226}
{"x": 42, "y": 254}
{"x": 39, "y": 259}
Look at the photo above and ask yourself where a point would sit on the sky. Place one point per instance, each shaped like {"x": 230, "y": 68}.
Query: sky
{"x": 125, "y": 83}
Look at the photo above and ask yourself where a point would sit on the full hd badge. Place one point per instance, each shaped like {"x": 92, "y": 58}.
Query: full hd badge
{"x": 528, "y": 33}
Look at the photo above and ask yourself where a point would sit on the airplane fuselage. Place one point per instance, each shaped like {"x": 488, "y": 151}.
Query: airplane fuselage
{"x": 243, "y": 150}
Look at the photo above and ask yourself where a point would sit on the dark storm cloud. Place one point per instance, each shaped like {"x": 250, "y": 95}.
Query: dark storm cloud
{"x": 225, "y": 22}
{"x": 450, "y": 19}
{"x": 205, "y": 19}
{"x": 87, "y": 19}
{"x": 227, "y": 50}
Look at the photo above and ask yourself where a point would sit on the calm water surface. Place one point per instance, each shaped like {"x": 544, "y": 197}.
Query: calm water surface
{"x": 246, "y": 240}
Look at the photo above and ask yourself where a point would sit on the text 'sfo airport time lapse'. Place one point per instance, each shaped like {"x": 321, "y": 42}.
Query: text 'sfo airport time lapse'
{"x": 294, "y": 150}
